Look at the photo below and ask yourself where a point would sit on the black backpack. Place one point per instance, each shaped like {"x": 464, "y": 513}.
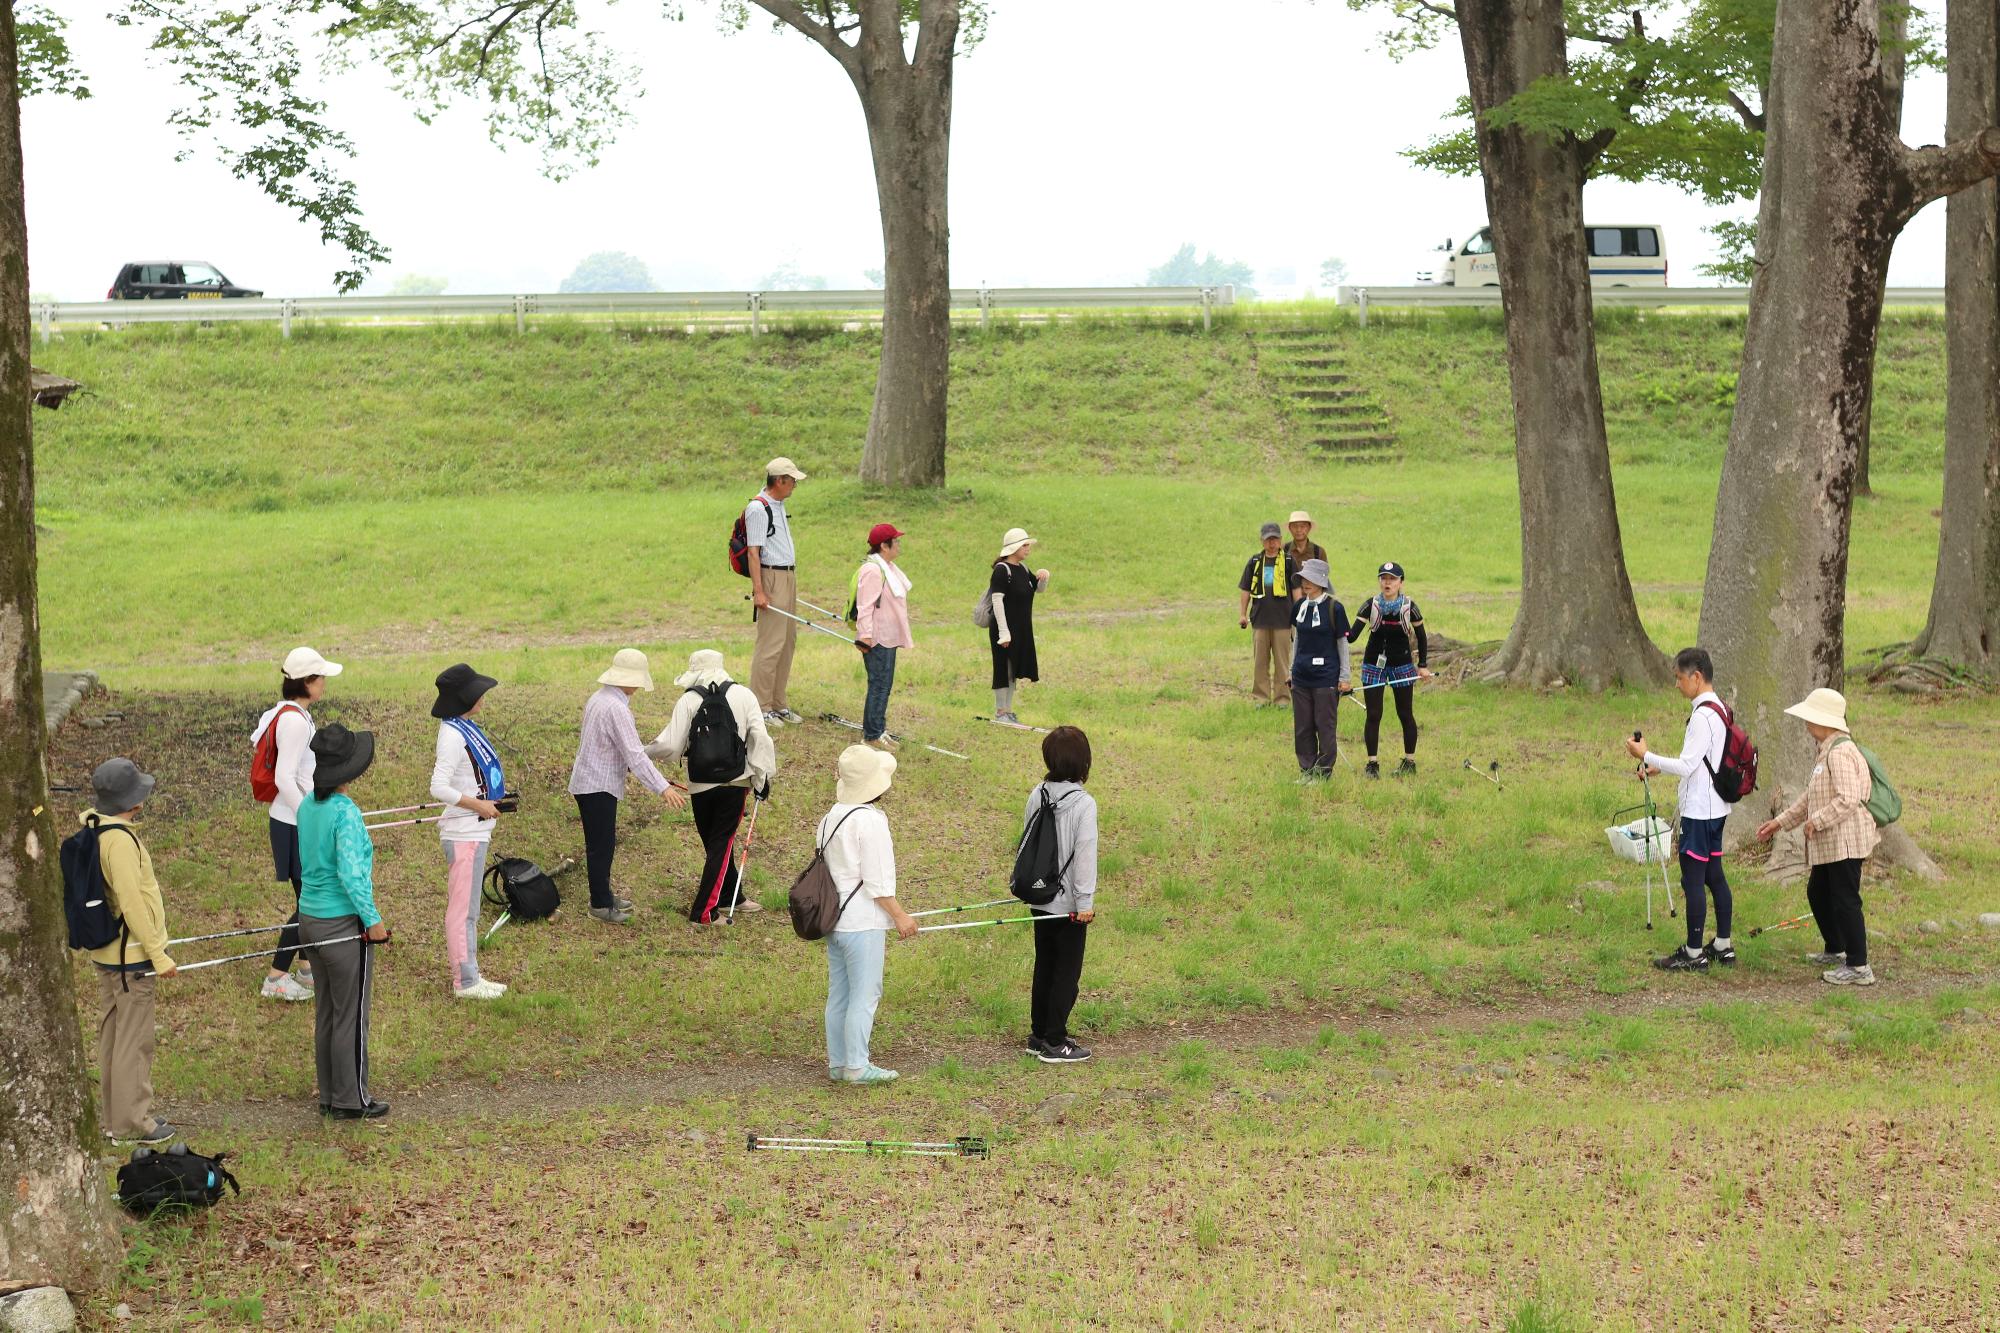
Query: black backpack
{"x": 716, "y": 751}
{"x": 816, "y": 904}
{"x": 176, "y": 1178}
{"x": 87, "y": 903}
{"x": 522, "y": 887}
{"x": 1039, "y": 872}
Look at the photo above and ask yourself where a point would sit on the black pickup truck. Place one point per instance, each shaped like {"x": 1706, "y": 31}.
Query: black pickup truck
{"x": 170, "y": 280}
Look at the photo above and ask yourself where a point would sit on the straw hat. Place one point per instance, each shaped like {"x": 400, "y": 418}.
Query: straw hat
{"x": 704, "y": 668}
{"x": 1300, "y": 516}
{"x": 629, "y": 669}
{"x": 865, "y": 773}
{"x": 1826, "y": 708}
{"x": 1015, "y": 539}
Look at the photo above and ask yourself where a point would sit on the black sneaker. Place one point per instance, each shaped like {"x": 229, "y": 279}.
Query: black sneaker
{"x": 1406, "y": 769}
{"x": 1035, "y": 1045}
{"x": 1726, "y": 957}
{"x": 1374, "y": 770}
{"x": 1680, "y": 960}
{"x": 372, "y": 1111}
{"x": 1064, "y": 1052}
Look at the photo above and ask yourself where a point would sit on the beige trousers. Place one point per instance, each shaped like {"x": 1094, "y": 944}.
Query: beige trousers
{"x": 1272, "y": 664}
{"x": 777, "y": 638}
{"x": 125, "y": 1053}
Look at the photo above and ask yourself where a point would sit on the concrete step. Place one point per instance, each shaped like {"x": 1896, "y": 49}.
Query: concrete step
{"x": 1322, "y": 394}
{"x": 1346, "y": 444}
{"x": 1343, "y": 410}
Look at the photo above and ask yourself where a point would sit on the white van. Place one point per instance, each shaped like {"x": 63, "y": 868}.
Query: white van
{"x": 1620, "y": 256}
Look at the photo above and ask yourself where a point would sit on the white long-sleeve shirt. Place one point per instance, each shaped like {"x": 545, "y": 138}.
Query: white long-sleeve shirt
{"x": 295, "y": 763}
{"x": 453, "y": 779}
{"x": 861, "y": 857}
{"x": 1704, "y": 740}
{"x": 670, "y": 746}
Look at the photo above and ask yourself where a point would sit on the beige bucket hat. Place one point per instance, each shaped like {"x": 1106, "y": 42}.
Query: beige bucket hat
{"x": 1300, "y": 516}
{"x": 1827, "y": 708}
{"x": 1015, "y": 539}
{"x": 630, "y": 669}
{"x": 865, "y": 773}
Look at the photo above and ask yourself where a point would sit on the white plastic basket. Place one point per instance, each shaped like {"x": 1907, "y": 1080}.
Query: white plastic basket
{"x": 1632, "y": 841}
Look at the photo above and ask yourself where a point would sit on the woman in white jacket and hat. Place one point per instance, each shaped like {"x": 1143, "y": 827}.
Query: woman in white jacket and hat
{"x": 719, "y": 800}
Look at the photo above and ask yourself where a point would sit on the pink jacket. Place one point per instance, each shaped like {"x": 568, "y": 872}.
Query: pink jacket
{"x": 881, "y": 614}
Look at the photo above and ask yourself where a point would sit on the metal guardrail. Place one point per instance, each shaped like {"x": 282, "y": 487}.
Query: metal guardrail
{"x": 724, "y": 306}
{"x": 1362, "y": 298}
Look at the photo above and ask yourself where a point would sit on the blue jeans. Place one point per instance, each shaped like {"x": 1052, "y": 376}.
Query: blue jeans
{"x": 881, "y": 664}
{"x": 853, "y": 989}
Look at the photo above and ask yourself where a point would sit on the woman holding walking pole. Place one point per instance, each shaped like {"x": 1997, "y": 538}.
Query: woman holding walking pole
{"x": 338, "y": 903}
{"x": 467, "y": 777}
{"x": 861, "y": 857}
{"x": 281, "y": 775}
{"x": 718, "y": 728}
{"x": 1059, "y": 937}
{"x": 881, "y": 626}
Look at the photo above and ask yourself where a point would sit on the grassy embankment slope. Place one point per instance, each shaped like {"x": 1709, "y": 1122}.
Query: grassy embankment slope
{"x": 405, "y": 500}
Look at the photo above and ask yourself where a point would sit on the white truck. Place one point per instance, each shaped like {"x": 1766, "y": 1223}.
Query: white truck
{"x": 1625, "y": 255}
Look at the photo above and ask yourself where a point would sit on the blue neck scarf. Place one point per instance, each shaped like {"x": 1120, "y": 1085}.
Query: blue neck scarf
{"x": 485, "y": 759}
{"x": 1390, "y": 607}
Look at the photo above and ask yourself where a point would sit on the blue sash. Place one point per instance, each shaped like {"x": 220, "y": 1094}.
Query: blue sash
{"x": 485, "y": 759}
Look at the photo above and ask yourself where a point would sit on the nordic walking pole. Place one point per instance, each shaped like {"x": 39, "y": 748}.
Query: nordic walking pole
{"x": 1788, "y": 924}
{"x": 1491, "y": 774}
{"x": 403, "y": 809}
{"x": 812, "y": 625}
{"x": 838, "y": 620}
{"x": 261, "y": 953}
{"x": 504, "y": 917}
{"x": 403, "y": 823}
{"x": 1004, "y": 921}
{"x": 840, "y": 721}
{"x": 1646, "y": 849}
{"x": 969, "y": 907}
{"x": 729, "y": 918}
{"x": 963, "y": 1146}
{"x": 232, "y": 934}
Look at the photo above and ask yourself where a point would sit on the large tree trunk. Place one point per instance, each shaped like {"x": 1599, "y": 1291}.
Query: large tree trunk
{"x": 1577, "y": 621}
{"x": 1839, "y": 185}
{"x": 908, "y": 105}
{"x": 1964, "y": 625}
{"x": 55, "y": 1222}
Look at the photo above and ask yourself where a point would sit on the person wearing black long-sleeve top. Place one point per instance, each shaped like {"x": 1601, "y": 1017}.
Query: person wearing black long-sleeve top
{"x": 1396, "y": 658}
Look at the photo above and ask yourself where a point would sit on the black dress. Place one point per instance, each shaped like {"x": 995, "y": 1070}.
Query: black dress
{"x": 1017, "y": 586}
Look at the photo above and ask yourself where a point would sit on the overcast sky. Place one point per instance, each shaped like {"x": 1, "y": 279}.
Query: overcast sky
{"x": 1090, "y": 139}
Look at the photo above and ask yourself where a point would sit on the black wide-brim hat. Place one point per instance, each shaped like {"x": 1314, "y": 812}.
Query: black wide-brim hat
{"x": 459, "y": 687}
{"x": 340, "y": 755}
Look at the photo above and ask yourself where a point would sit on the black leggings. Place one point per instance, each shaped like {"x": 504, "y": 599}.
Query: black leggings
{"x": 1058, "y": 970}
{"x": 718, "y": 817}
{"x": 288, "y": 938}
{"x": 599, "y": 811}
{"x": 1833, "y": 891}
{"x": 1406, "y": 712}
{"x": 1698, "y": 879}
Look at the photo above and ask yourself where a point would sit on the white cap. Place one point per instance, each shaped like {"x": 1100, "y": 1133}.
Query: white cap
{"x": 783, "y": 467}
{"x": 303, "y": 662}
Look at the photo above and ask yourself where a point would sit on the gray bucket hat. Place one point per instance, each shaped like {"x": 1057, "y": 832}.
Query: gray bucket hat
{"x": 1315, "y": 573}
{"x": 118, "y": 786}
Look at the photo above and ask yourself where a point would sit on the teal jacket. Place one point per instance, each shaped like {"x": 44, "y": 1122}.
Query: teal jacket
{"x": 338, "y": 860}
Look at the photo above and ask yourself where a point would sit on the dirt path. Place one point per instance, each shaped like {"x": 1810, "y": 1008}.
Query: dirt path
{"x": 611, "y": 1089}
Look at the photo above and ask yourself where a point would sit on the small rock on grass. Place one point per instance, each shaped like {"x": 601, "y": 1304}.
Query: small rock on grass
{"x": 1054, "y": 1108}
{"x": 1599, "y": 886}
{"x": 1382, "y": 1074}
{"x": 37, "y": 1310}
{"x": 1990, "y": 920}
{"x": 121, "y": 1311}
{"x": 1931, "y": 928}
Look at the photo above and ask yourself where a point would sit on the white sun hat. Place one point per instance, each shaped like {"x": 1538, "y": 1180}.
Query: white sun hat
{"x": 1015, "y": 539}
{"x": 1826, "y": 708}
{"x": 629, "y": 669}
{"x": 865, "y": 773}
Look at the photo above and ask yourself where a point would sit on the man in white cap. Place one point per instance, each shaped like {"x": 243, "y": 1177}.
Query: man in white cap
{"x": 1840, "y": 835}
{"x": 774, "y": 582}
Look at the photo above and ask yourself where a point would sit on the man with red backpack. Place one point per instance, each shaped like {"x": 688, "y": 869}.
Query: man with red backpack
{"x": 1717, "y": 767}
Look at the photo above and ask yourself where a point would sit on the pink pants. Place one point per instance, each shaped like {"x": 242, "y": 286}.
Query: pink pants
{"x": 467, "y": 866}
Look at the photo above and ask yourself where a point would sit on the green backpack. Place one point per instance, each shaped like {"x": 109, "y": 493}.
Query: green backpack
{"x": 1884, "y": 805}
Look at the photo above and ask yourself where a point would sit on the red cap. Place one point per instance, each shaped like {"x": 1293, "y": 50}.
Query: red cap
{"x": 882, "y": 532}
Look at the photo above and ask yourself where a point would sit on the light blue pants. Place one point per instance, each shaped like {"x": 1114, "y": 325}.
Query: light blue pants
{"x": 853, "y": 989}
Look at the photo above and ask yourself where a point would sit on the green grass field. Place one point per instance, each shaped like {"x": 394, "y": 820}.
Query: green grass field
{"x": 1286, "y": 986}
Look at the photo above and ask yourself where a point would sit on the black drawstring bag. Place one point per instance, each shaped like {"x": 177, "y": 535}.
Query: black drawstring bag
{"x": 522, "y": 888}
{"x": 176, "y": 1178}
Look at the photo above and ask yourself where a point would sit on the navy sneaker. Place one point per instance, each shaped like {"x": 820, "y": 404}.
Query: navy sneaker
{"x": 1680, "y": 960}
{"x": 1064, "y": 1052}
{"x": 1726, "y": 957}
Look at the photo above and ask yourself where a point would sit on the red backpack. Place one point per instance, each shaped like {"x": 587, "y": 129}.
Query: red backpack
{"x": 264, "y": 759}
{"x": 1737, "y": 777}
{"x": 739, "y": 538}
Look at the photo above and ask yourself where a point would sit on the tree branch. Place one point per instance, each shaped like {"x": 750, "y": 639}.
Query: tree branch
{"x": 1933, "y": 172}
{"x": 881, "y": 40}
{"x": 1443, "y": 11}
{"x": 937, "y": 32}
{"x": 1752, "y": 120}
{"x": 793, "y": 15}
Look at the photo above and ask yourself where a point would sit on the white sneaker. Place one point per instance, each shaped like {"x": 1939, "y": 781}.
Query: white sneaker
{"x": 1827, "y": 959}
{"x": 284, "y": 988}
{"x": 1850, "y": 976}
{"x": 748, "y": 905}
{"x": 787, "y": 715}
{"x": 480, "y": 990}
{"x": 771, "y": 719}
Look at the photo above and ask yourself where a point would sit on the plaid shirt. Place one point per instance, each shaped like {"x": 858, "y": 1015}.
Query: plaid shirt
{"x": 1834, "y": 808}
{"x": 610, "y": 748}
